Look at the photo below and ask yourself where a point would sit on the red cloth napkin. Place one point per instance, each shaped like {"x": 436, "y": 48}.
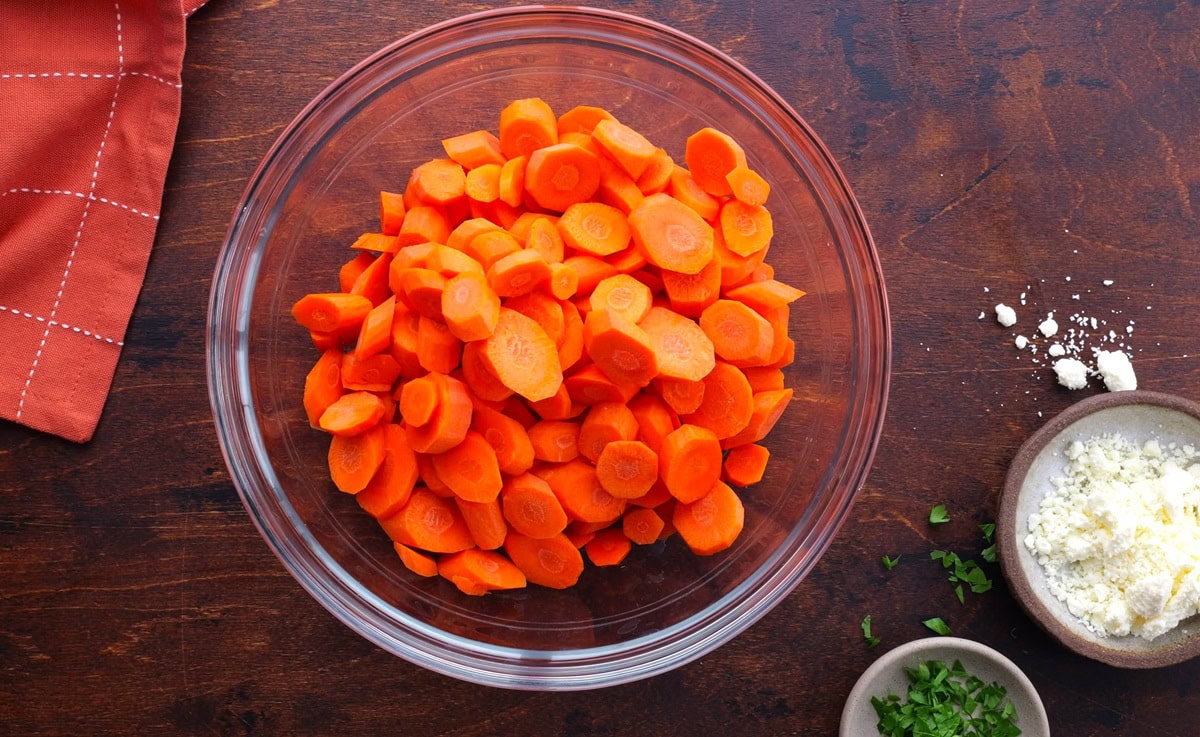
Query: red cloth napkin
{"x": 89, "y": 103}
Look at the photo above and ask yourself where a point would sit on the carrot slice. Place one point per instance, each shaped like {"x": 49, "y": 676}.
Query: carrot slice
{"x": 618, "y": 189}
{"x": 375, "y": 336}
{"x": 627, "y": 261}
{"x": 590, "y": 271}
{"x": 690, "y": 462}
{"x": 545, "y": 240}
{"x": 746, "y": 229}
{"x": 490, "y": 246}
{"x": 439, "y": 182}
{"x": 589, "y": 386}
{"x": 763, "y": 378}
{"x": 419, "y": 399}
{"x": 735, "y": 269}
{"x": 745, "y": 464}
{"x": 429, "y": 522}
{"x": 594, "y": 228}
{"x": 627, "y": 147}
{"x": 470, "y": 307}
{"x": 421, "y": 289}
{"x": 689, "y": 294}
{"x": 526, "y": 125}
{"x": 542, "y": 309}
{"x": 351, "y": 270}
{"x": 518, "y": 273}
{"x": 392, "y": 484}
{"x": 508, "y": 439}
{"x": 430, "y": 478}
{"x": 622, "y": 295}
{"x": 465, "y": 231}
{"x": 579, "y": 491}
{"x": 627, "y": 468}
{"x": 570, "y": 348}
{"x": 483, "y": 183}
{"x": 352, "y": 413}
{"x": 739, "y": 335}
{"x": 405, "y": 334}
{"x": 523, "y": 357}
{"x": 641, "y": 526}
{"x": 511, "y": 186}
{"x": 375, "y": 374}
{"x": 682, "y": 348}
{"x": 727, "y": 404}
{"x": 437, "y": 348}
{"x": 391, "y": 212}
{"x": 711, "y": 523}
{"x": 474, "y": 149}
{"x": 763, "y": 296}
{"x": 376, "y": 242}
{"x": 552, "y": 562}
{"x": 470, "y": 469}
{"x": 323, "y": 385}
{"x": 485, "y": 521}
{"x": 334, "y": 312}
{"x": 582, "y": 119}
{"x": 682, "y": 396}
{"x": 768, "y": 408}
{"x": 608, "y": 548}
{"x": 353, "y": 460}
{"x": 655, "y": 419}
{"x": 476, "y": 572}
{"x": 710, "y": 156}
{"x": 563, "y": 282}
{"x": 748, "y": 186}
{"x": 671, "y": 234}
{"x": 530, "y": 506}
{"x": 605, "y": 423}
{"x": 423, "y": 224}
{"x": 684, "y": 188}
{"x": 417, "y": 562}
{"x": 450, "y": 421}
{"x": 555, "y": 441}
{"x": 620, "y": 348}
{"x": 657, "y": 175}
{"x": 561, "y": 175}
{"x": 479, "y": 376}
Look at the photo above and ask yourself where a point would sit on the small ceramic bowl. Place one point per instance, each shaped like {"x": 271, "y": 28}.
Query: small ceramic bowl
{"x": 886, "y": 675}
{"x": 1138, "y": 416}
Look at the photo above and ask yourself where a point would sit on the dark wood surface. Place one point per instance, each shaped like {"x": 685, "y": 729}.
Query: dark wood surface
{"x": 1001, "y": 145}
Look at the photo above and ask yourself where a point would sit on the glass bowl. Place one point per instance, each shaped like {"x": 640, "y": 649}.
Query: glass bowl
{"x": 317, "y": 190}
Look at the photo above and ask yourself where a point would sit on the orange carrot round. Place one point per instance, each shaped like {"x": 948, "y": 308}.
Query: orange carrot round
{"x": 690, "y": 462}
{"x": 627, "y": 468}
{"x": 523, "y": 357}
{"x": 671, "y": 234}
{"x": 711, "y": 523}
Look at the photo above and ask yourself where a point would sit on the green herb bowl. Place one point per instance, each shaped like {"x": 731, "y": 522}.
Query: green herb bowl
{"x": 887, "y": 675}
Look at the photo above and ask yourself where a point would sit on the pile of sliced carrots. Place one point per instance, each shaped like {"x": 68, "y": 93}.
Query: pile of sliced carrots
{"x": 559, "y": 340}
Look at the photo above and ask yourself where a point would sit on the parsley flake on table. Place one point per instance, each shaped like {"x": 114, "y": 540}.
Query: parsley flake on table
{"x": 937, "y": 625}
{"x": 938, "y": 516}
{"x": 890, "y": 563}
{"x": 866, "y": 630}
{"x": 988, "y": 553}
{"x": 946, "y": 701}
{"x": 963, "y": 571}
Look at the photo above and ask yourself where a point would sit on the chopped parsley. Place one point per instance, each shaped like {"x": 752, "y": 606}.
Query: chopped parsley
{"x": 946, "y": 701}
{"x": 938, "y": 516}
{"x": 890, "y": 563}
{"x": 963, "y": 571}
{"x": 937, "y": 625}
{"x": 866, "y": 630}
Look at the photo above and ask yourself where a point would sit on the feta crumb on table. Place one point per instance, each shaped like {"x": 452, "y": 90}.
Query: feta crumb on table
{"x": 1006, "y": 315}
{"x": 1071, "y": 372}
{"x": 1116, "y": 370}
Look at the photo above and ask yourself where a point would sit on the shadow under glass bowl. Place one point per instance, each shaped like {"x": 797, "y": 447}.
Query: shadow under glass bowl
{"x": 317, "y": 190}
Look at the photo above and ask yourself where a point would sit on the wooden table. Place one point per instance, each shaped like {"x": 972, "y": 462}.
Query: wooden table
{"x": 994, "y": 146}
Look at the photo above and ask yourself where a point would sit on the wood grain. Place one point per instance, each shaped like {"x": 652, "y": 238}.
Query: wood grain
{"x": 1001, "y": 145}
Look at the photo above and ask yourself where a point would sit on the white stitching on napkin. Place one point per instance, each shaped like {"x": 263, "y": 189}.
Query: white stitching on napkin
{"x": 63, "y": 325}
{"x": 62, "y": 285}
{"x": 82, "y": 196}
{"x": 85, "y": 75}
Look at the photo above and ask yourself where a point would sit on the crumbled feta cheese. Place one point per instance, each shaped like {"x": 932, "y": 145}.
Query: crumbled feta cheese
{"x": 1108, "y": 282}
{"x": 1057, "y": 350}
{"x": 1071, "y": 373}
{"x": 1021, "y": 342}
{"x": 1006, "y": 315}
{"x": 1048, "y": 327}
{"x": 1117, "y": 371}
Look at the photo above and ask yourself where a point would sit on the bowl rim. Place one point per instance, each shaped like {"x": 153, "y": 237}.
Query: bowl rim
{"x": 1012, "y": 567}
{"x": 508, "y": 666}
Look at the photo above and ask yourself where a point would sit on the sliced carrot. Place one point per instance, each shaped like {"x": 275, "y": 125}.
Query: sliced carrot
{"x": 419, "y": 563}
{"x": 470, "y": 307}
{"x": 627, "y": 468}
{"x": 511, "y": 186}
{"x": 622, "y": 295}
{"x": 555, "y": 441}
{"x": 437, "y": 348}
{"x": 727, "y": 404}
{"x": 579, "y": 491}
{"x": 531, "y": 507}
{"x": 564, "y": 281}
{"x": 620, "y": 348}
{"x": 351, "y": 270}
{"x": 627, "y": 147}
{"x": 518, "y": 273}
{"x": 594, "y": 228}
{"x": 430, "y": 478}
{"x": 671, "y": 234}
{"x": 657, "y": 175}
{"x": 684, "y": 188}
{"x": 768, "y": 408}
{"x": 391, "y": 212}
{"x": 518, "y": 409}
{"x": 375, "y": 374}
{"x": 681, "y": 395}
{"x": 485, "y": 521}
{"x": 590, "y": 271}
{"x": 450, "y": 421}
{"x": 785, "y": 347}
{"x": 558, "y": 407}
{"x": 429, "y": 522}
{"x": 582, "y": 119}
{"x": 545, "y": 239}
{"x": 352, "y": 413}
{"x": 561, "y": 175}
{"x": 682, "y": 348}
{"x": 334, "y": 312}
{"x": 710, "y": 156}
{"x": 477, "y": 571}
{"x": 354, "y": 459}
{"x": 746, "y": 229}
{"x": 739, "y": 335}
{"x": 422, "y": 289}
{"x": 323, "y": 385}
{"x": 735, "y": 269}
{"x": 641, "y": 526}
{"x": 605, "y": 423}
{"x": 490, "y": 246}
{"x": 392, "y": 484}
{"x": 511, "y": 444}
{"x": 479, "y": 376}
{"x": 690, "y": 462}
{"x": 766, "y": 295}
{"x": 570, "y": 348}
{"x": 763, "y": 378}
{"x": 552, "y": 562}
{"x": 542, "y": 309}
{"x": 474, "y": 149}
{"x": 375, "y": 336}
{"x": 580, "y": 533}
{"x": 498, "y": 212}
{"x": 608, "y": 548}
{"x": 405, "y": 334}
{"x": 748, "y": 186}
{"x": 470, "y": 469}
{"x": 651, "y": 279}
{"x": 483, "y": 183}
{"x": 523, "y": 357}
{"x": 439, "y": 182}
{"x": 419, "y": 399}
{"x": 745, "y": 464}
{"x": 465, "y": 231}
{"x": 590, "y": 386}
{"x": 584, "y": 141}
{"x": 618, "y": 189}
{"x": 711, "y": 523}
{"x": 689, "y": 294}
{"x": 375, "y": 242}
{"x": 655, "y": 498}
{"x": 526, "y": 125}
{"x": 423, "y": 224}
{"x": 627, "y": 261}
{"x": 413, "y": 256}
{"x": 655, "y": 419}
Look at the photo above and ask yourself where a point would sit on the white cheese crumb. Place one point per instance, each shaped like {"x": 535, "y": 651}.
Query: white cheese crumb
{"x": 1117, "y": 371}
{"x": 1006, "y": 315}
{"x": 1021, "y": 342}
{"x": 1071, "y": 373}
{"x": 1048, "y": 327}
{"x": 1057, "y": 350}
{"x": 981, "y": 315}
{"x": 1107, "y": 282}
